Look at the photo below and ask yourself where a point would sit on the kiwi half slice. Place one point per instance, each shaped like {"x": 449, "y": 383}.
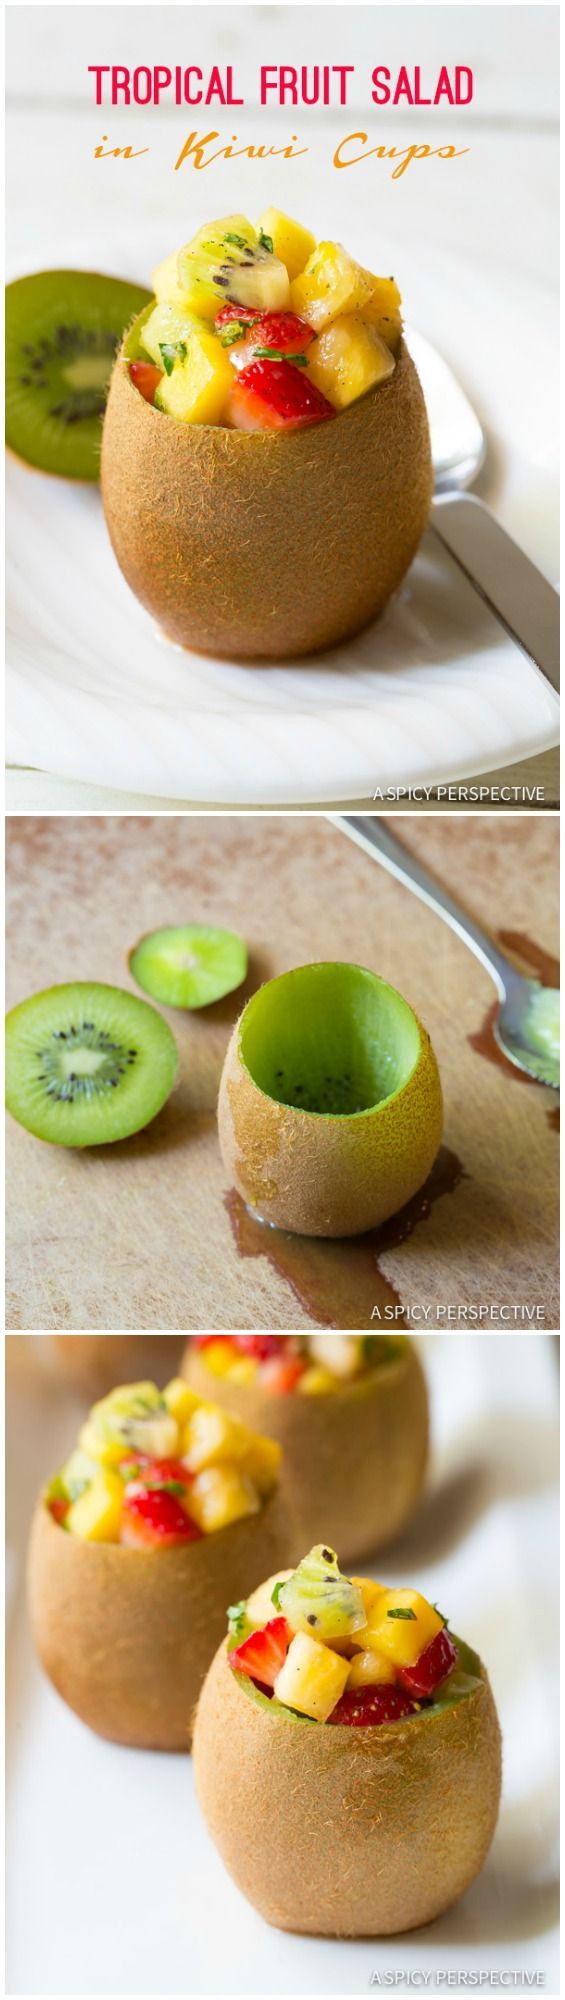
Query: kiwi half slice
{"x": 62, "y": 332}
{"x": 189, "y": 965}
{"x": 86, "y": 1064}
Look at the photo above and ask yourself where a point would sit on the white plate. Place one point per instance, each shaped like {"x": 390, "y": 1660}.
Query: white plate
{"x": 434, "y": 691}
{"x": 113, "y": 1886}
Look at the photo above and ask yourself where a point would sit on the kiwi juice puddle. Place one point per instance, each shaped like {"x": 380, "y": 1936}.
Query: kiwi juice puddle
{"x": 338, "y": 1280}
{"x": 545, "y": 968}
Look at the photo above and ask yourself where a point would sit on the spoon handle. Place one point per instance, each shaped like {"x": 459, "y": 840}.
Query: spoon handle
{"x": 520, "y": 597}
{"x": 373, "y": 834}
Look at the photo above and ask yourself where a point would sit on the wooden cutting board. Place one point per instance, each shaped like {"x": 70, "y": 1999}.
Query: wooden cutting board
{"x": 138, "y": 1235}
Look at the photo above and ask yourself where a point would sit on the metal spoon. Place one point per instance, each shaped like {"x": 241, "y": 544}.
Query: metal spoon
{"x": 527, "y": 1025}
{"x": 522, "y": 600}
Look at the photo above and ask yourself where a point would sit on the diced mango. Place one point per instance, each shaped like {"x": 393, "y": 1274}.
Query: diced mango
{"x": 347, "y": 359}
{"x": 316, "y": 1382}
{"x": 214, "y": 1437}
{"x": 382, "y": 311}
{"x": 219, "y": 1357}
{"x": 96, "y": 1516}
{"x": 197, "y": 390}
{"x": 221, "y": 1495}
{"x": 401, "y": 1624}
{"x": 292, "y": 243}
{"x": 331, "y": 284}
{"x": 180, "y": 1401}
{"x": 244, "y": 1370}
{"x": 312, "y": 1678}
{"x": 262, "y": 1463}
{"x": 369, "y": 1669}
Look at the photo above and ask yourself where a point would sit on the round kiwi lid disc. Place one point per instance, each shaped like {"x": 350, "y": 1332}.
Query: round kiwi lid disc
{"x": 189, "y": 965}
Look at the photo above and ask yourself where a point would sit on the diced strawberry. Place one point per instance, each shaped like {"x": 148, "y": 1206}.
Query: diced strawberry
{"x": 155, "y": 1520}
{"x": 146, "y": 378}
{"x": 246, "y": 315}
{"x": 274, "y": 395}
{"x": 262, "y": 1655}
{"x": 260, "y": 1345}
{"x": 271, "y": 338}
{"x": 366, "y": 1705}
{"x": 59, "y": 1509}
{"x": 281, "y": 1374}
{"x": 437, "y": 1660}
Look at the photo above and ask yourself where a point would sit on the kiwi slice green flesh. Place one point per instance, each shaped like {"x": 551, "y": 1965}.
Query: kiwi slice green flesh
{"x": 86, "y": 1064}
{"x": 189, "y": 965}
{"x": 62, "y": 332}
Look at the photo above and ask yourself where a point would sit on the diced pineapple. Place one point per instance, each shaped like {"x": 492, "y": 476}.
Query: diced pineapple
{"x": 262, "y": 1462}
{"x": 347, "y": 359}
{"x": 219, "y": 1357}
{"x": 316, "y": 1382}
{"x": 168, "y": 326}
{"x": 260, "y": 1608}
{"x": 197, "y": 390}
{"x": 371, "y": 1669}
{"x": 214, "y": 1437}
{"x": 382, "y": 311}
{"x": 180, "y": 1401}
{"x": 221, "y": 1495}
{"x": 292, "y": 243}
{"x": 401, "y": 1624}
{"x": 244, "y": 1370}
{"x": 312, "y": 1678}
{"x": 96, "y": 1516}
{"x": 165, "y": 282}
{"x": 341, "y": 1353}
{"x": 332, "y": 283}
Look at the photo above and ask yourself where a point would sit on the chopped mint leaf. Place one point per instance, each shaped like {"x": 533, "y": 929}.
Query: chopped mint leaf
{"x": 276, "y": 354}
{"x": 237, "y": 1618}
{"x": 234, "y": 331}
{"x": 266, "y": 241}
{"x": 276, "y": 1595}
{"x": 166, "y": 1485}
{"x": 171, "y": 353}
{"x": 402, "y": 1612}
{"x": 441, "y": 1614}
{"x": 240, "y": 242}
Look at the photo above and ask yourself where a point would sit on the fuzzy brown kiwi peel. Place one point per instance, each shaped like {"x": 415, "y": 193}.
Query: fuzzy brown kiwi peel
{"x": 330, "y": 1109}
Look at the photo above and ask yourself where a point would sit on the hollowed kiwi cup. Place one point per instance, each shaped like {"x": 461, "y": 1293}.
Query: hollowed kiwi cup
{"x": 341, "y": 1831}
{"x": 354, "y": 1459}
{"x": 126, "y": 1635}
{"x": 96, "y": 1363}
{"x": 271, "y": 544}
{"x": 330, "y": 1109}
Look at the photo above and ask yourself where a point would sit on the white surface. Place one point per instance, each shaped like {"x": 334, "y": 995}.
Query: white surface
{"x": 113, "y": 1886}
{"x": 95, "y": 696}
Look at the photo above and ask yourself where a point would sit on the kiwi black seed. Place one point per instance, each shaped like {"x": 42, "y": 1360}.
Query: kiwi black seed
{"x": 62, "y": 332}
{"x": 87, "y": 1064}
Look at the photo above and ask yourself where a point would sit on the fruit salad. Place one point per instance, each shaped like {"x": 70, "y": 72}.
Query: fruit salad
{"x": 338, "y": 1649}
{"x": 264, "y": 329}
{"x": 156, "y": 1469}
{"x": 311, "y": 1365}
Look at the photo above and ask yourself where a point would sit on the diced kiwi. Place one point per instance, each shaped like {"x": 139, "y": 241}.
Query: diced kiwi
{"x": 87, "y": 1064}
{"x": 189, "y": 965}
{"x": 319, "y": 1600}
{"x": 62, "y": 332}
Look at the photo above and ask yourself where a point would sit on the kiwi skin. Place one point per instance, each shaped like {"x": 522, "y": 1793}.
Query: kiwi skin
{"x": 96, "y": 1363}
{"x": 126, "y": 1635}
{"x": 266, "y": 546}
{"x": 354, "y": 1460}
{"x": 330, "y": 1175}
{"x": 347, "y": 1832}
